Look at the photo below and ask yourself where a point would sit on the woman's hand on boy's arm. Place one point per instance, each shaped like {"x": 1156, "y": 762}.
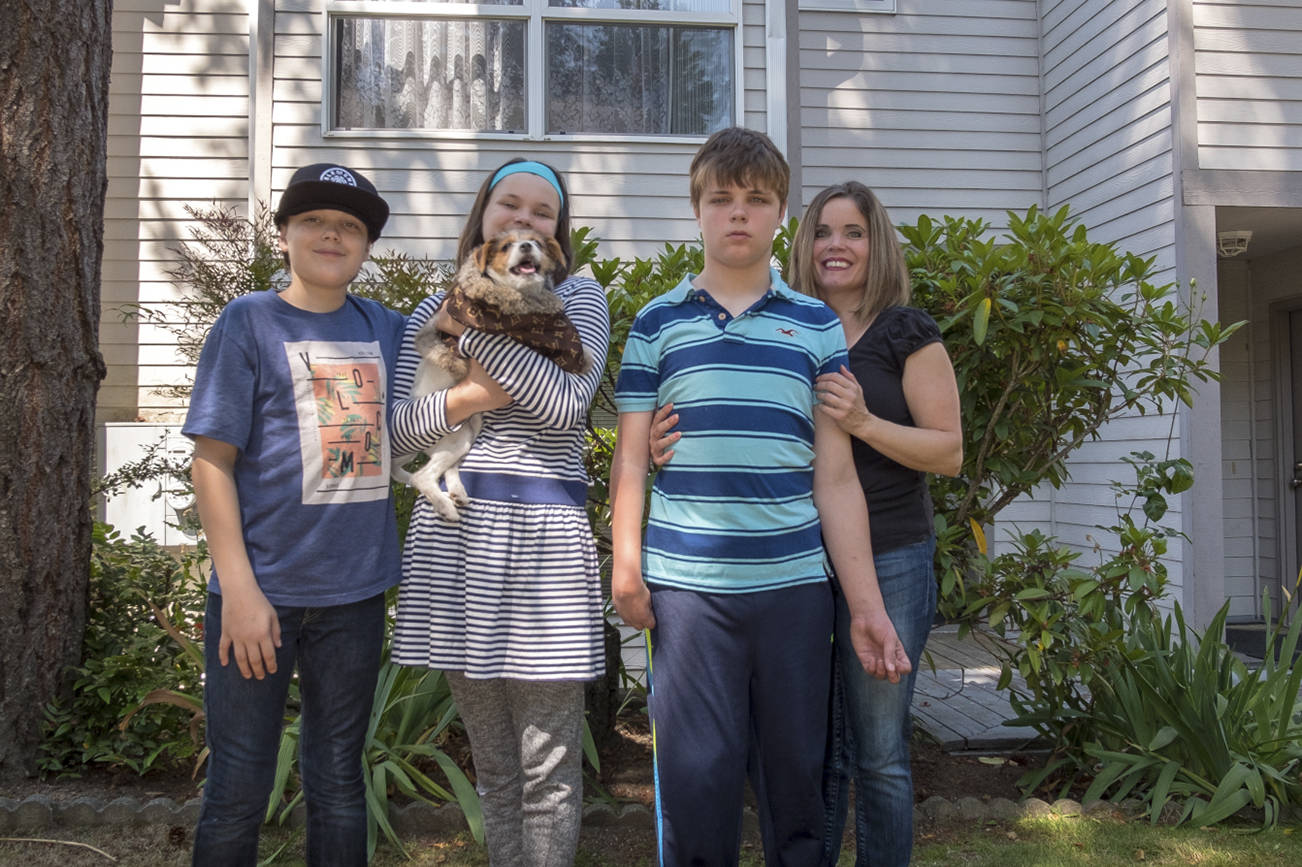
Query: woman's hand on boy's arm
{"x": 250, "y": 627}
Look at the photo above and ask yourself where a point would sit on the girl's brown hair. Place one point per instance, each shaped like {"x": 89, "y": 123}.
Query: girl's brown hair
{"x": 887, "y": 283}
{"x": 473, "y": 233}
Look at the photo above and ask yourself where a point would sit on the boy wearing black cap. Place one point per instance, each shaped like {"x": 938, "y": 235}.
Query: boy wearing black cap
{"x": 289, "y": 416}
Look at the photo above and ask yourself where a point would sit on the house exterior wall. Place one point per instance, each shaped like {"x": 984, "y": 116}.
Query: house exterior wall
{"x": 177, "y": 132}
{"x": 1109, "y": 153}
{"x": 1248, "y": 77}
{"x": 1248, "y": 63}
{"x": 632, "y": 194}
{"x": 936, "y": 106}
{"x": 180, "y": 115}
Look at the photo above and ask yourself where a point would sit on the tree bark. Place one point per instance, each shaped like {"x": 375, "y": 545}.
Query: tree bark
{"x": 54, "y": 75}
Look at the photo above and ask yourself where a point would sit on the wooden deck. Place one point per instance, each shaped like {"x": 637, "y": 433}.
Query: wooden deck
{"x": 955, "y": 700}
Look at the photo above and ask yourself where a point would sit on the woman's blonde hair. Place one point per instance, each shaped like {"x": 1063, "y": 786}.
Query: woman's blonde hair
{"x": 887, "y": 283}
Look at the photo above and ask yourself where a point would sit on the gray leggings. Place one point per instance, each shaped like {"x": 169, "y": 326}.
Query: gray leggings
{"x": 527, "y": 741}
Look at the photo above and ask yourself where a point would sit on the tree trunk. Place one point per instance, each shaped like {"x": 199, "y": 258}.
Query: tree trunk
{"x": 54, "y": 73}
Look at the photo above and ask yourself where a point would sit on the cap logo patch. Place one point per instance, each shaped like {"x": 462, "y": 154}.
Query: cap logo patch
{"x": 339, "y": 175}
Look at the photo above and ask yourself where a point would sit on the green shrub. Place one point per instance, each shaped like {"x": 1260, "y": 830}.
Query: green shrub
{"x": 1181, "y": 717}
{"x": 412, "y": 715}
{"x": 137, "y": 591}
{"x": 1052, "y": 335}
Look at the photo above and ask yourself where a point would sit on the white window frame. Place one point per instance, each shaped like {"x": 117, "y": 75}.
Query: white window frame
{"x": 881, "y": 6}
{"x": 536, "y": 13}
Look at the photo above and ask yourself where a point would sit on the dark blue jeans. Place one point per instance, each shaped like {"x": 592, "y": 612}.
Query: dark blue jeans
{"x": 870, "y": 726}
{"x": 337, "y": 652}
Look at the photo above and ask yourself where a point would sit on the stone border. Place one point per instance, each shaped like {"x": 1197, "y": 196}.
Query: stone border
{"x": 37, "y": 812}
{"x": 40, "y": 811}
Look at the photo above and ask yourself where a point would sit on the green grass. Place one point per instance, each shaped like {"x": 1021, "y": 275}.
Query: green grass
{"x": 1038, "y": 842}
{"x": 1051, "y": 841}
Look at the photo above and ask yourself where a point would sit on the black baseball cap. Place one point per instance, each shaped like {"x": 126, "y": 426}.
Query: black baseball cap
{"x": 329, "y": 185}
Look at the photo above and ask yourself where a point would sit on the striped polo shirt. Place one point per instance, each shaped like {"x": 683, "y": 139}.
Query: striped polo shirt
{"x": 734, "y": 510}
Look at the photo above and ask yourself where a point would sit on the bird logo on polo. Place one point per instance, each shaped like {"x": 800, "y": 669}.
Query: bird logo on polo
{"x": 339, "y": 392}
{"x": 787, "y": 332}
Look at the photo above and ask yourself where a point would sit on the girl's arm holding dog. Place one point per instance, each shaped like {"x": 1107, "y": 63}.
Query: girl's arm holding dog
{"x": 536, "y": 383}
{"x": 417, "y": 424}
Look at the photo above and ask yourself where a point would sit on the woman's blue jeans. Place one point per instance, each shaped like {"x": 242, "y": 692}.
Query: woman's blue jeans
{"x": 870, "y": 725}
{"x": 337, "y": 652}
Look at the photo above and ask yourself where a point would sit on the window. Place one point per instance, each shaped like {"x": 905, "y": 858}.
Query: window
{"x": 533, "y": 67}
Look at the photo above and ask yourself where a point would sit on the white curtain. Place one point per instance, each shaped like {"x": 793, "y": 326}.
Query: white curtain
{"x": 430, "y": 74}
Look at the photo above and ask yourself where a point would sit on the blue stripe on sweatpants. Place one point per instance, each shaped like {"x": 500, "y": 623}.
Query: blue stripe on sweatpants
{"x": 738, "y": 676}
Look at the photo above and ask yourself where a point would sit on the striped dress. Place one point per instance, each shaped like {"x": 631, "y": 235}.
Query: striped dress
{"x": 513, "y": 589}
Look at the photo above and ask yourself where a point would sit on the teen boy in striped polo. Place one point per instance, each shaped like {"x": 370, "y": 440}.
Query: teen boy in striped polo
{"x": 732, "y": 580}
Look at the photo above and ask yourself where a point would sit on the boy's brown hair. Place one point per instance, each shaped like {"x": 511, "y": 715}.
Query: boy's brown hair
{"x": 740, "y": 157}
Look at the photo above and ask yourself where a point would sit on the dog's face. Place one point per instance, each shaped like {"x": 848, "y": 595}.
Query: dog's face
{"x": 519, "y": 257}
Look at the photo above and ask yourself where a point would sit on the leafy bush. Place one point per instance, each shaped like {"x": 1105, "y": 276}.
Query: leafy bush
{"x": 1052, "y": 335}
{"x": 411, "y": 717}
{"x": 1065, "y": 627}
{"x": 138, "y": 591}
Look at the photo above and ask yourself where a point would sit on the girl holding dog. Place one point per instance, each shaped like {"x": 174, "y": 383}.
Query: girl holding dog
{"x": 507, "y": 601}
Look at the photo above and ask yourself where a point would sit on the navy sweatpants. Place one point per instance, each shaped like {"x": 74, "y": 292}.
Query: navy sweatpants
{"x": 738, "y": 676}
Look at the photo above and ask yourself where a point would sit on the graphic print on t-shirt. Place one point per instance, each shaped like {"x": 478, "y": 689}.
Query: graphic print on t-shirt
{"x": 339, "y": 391}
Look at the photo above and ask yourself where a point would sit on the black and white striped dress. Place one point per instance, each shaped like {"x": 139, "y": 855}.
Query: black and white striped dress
{"x": 513, "y": 589}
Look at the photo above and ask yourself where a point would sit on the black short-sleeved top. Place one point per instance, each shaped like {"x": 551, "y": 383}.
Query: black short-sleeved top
{"x": 899, "y": 505}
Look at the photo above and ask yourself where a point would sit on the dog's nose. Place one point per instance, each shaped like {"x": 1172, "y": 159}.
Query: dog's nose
{"x": 526, "y": 246}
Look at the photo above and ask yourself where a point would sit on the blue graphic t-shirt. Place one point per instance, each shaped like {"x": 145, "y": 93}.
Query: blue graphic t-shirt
{"x": 304, "y": 397}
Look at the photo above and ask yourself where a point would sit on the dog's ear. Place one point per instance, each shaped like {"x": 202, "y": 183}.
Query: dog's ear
{"x": 482, "y": 255}
{"x": 554, "y": 250}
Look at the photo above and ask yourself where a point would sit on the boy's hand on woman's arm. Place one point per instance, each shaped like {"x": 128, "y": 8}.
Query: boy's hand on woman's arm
{"x": 250, "y": 627}
{"x": 663, "y": 436}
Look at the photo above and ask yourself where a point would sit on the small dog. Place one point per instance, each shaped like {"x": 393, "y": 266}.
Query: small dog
{"x": 505, "y": 287}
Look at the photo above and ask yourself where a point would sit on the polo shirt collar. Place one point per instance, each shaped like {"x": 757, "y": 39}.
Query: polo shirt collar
{"x": 777, "y": 286}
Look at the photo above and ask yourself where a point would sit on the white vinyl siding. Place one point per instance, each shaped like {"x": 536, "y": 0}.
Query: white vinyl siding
{"x": 1248, "y": 67}
{"x": 935, "y": 107}
{"x": 178, "y": 127}
{"x": 1109, "y": 154}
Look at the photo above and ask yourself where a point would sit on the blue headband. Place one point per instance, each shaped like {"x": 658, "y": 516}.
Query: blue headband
{"x": 532, "y": 168}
